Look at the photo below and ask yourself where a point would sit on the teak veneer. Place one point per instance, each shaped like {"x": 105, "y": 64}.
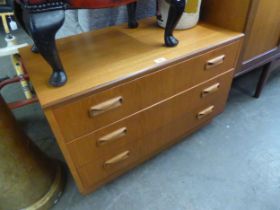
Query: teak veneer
{"x": 113, "y": 54}
{"x": 131, "y": 96}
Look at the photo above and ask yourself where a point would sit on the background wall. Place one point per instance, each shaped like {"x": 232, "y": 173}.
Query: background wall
{"x": 78, "y": 21}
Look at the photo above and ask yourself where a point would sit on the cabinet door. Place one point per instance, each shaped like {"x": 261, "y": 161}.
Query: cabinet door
{"x": 264, "y": 28}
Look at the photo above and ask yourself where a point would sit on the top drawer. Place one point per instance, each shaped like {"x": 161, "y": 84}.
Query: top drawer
{"x": 92, "y": 112}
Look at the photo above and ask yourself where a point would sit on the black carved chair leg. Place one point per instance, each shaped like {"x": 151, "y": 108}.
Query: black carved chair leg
{"x": 176, "y": 10}
{"x": 43, "y": 27}
{"x": 131, "y": 10}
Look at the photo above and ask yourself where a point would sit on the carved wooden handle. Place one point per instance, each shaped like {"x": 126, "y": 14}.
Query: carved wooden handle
{"x": 205, "y": 112}
{"x": 210, "y": 90}
{"x": 106, "y": 106}
{"x": 119, "y": 158}
{"x": 215, "y": 61}
{"x": 112, "y": 136}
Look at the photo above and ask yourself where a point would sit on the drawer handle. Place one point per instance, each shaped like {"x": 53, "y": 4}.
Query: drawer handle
{"x": 106, "y": 106}
{"x": 212, "y": 89}
{"x": 205, "y": 112}
{"x": 112, "y": 136}
{"x": 215, "y": 61}
{"x": 119, "y": 158}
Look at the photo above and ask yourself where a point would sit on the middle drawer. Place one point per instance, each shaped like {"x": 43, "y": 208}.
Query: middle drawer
{"x": 94, "y": 112}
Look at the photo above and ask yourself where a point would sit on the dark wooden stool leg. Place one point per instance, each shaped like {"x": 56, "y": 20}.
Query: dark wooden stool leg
{"x": 43, "y": 27}
{"x": 131, "y": 10}
{"x": 266, "y": 71}
{"x": 176, "y": 10}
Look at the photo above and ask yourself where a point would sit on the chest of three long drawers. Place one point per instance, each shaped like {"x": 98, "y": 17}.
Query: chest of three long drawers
{"x": 122, "y": 104}
{"x": 109, "y": 132}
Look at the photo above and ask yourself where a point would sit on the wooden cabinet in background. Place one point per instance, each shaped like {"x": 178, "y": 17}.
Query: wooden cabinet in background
{"x": 260, "y": 21}
{"x": 262, "y": 32}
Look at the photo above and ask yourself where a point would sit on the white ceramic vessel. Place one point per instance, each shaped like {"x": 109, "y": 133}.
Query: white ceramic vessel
{"x": 189, "y": 18}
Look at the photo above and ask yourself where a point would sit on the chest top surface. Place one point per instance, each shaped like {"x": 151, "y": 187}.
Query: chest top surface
{"x": 106, "y": 57}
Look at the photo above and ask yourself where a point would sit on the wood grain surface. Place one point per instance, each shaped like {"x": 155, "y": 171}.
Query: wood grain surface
{"x": 96, "y": 59}
{"x": 148, "y": 131}
{"x": 141, "y": 93}
{"x": 263, "y": 33}
{"x": 230, "y": 14}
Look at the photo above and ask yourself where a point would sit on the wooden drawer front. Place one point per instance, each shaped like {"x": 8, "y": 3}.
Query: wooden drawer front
{"x": 146, "y": 132}
{"x": 149, "y": 143}
{"x": 96, "y": 111}
{"x": 94, "y": 173}
{"x": 88, "y": 149}
{"x": 118, "y": 135}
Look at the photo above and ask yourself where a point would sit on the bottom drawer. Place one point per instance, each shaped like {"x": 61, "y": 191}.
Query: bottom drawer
{"x": 147, "y": 132}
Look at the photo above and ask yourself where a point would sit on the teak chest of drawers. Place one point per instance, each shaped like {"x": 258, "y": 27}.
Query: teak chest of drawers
{"x": 128, "y": 97}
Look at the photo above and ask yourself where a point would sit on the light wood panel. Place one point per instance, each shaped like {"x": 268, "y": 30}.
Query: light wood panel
{"x": 230, "y": 14}
{"x": 114, "y": 54}
{"x": 143, "y": 92}
{"x": 263, "y": 33}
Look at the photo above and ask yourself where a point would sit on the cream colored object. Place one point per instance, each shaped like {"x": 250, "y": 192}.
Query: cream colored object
{"x": 189, "y": 18}
{"x": 12, "y": 47}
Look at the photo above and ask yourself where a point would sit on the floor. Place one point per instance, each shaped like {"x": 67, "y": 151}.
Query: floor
{"x": 231, "y": 164}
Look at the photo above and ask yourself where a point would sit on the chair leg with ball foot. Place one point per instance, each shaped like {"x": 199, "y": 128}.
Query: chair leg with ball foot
{"x": 42, "y": 19}
{"x": 176, "y": 11}
{"x": 43, "y": 27}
